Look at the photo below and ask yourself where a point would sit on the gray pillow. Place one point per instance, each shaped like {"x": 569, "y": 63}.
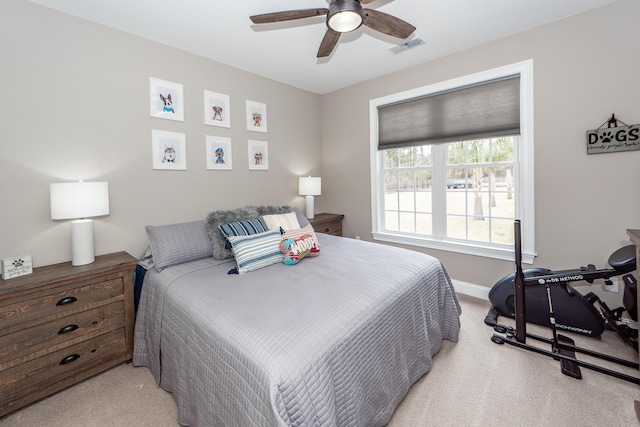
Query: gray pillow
{"x": 178, "y": 243}
{"x": 217, "y": 218}
{"x": 302, "y": 220}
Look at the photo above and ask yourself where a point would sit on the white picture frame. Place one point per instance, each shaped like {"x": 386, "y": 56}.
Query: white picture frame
{"x": 256, "y": 113}
{"x": 217, "y": 109}
{"x": 169, "y": 150}
{"x": 258, "y": 155}
{"x": 219, "y": 153}
{"x": 166, "y": 99}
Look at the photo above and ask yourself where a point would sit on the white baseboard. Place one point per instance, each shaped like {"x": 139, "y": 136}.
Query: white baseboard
{"x": 471, "y": 289}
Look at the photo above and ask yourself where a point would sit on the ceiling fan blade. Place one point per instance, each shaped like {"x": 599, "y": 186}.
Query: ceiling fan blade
{"x": 287, "y": 15}
{"x": 366, "y": 1}
{"x": 329, "y": 42}
{"x": 387, "y": 24}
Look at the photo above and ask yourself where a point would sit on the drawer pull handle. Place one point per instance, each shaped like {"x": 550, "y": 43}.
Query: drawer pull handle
{"x": 70, "y": 358}
{"x": 67, "y": 300}
{"x": 68, "y": 328}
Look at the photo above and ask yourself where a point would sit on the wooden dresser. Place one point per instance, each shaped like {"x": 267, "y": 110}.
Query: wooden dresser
{"x": 62, "y": 324}
{"x": 327, "y": 223}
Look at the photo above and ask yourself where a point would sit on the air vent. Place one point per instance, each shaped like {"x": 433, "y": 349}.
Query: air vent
{"x": 408, "y": 45}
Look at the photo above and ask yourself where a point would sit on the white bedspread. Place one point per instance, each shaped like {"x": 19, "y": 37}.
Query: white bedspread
{"x": 335, "y": 340}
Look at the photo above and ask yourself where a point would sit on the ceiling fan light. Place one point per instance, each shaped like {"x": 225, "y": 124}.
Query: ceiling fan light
{"x": 345, "y": 15}
{"x": 346, "y": 21}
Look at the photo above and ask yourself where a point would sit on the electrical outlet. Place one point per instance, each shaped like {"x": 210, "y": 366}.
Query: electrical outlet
{"x": 357, "y": 237}
{"x": 613, "y": 287}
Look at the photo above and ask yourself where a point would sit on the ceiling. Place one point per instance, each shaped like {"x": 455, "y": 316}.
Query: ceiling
{"x": 286, "y": 51}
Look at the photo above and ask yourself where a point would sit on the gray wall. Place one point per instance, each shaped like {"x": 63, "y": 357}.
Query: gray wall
{"x": 74, "y": 105}
{"x": 585, "y": 69}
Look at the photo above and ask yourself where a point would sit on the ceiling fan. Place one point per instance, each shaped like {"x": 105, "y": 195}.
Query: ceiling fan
{"x": 343, "y": 16}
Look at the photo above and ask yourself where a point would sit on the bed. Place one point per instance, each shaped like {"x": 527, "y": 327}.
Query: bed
{"x": 334, "y": 340}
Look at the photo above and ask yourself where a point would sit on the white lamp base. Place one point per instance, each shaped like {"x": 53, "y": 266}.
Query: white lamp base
{"x": 309, "y": 206}
{"x": 82, "y": 244}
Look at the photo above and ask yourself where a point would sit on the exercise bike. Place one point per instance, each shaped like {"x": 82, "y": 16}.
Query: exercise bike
{"x": 549, "y": 297}
{"x": 574, "y": 312}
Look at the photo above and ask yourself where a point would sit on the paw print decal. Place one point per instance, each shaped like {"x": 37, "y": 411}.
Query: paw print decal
{"x": 18, "y": 262}
{"x": 606, "y": 137}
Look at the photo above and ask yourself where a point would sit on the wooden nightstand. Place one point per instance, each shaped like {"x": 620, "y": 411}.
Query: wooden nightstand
{"x": 327, "y": 223}
{"x": 62, "y": 324}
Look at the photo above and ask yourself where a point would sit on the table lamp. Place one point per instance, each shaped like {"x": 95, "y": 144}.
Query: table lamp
{"x": 309, "y": 186}
{"x": 79, "y": 201}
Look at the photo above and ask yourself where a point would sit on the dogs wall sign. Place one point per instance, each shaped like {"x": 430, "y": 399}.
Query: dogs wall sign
{"x": 613, "y": 138}
{"x": 15, "y": 267}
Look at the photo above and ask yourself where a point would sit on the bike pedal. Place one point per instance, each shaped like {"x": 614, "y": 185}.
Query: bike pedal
{"x": 568, "y": 367}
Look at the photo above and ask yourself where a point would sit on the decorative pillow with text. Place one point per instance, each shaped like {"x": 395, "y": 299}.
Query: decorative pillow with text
{"x": 304, "y": 231}
{"x": 296, "y": 249}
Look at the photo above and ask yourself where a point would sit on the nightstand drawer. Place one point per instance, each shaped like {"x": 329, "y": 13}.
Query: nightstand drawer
{"x": 329, "y": 228}
{"x": 33, "y": 380}
{"x": 60, "y": 300}
{"x": 327, "y": 223}
{"x": 30, "y": 343}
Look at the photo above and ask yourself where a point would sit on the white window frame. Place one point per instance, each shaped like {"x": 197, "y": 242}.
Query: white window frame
{"x": 524, "y": 168}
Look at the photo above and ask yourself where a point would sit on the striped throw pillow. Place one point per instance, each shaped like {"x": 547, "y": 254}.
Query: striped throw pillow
{"x": 288, "y": 221}
{"x": 257, "y": 250}
{"x": 243, "y": 228}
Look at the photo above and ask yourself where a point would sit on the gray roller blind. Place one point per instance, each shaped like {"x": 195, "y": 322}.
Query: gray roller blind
{"x": 478, "y": 111}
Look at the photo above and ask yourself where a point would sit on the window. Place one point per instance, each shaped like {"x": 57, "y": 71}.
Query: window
{"x": 450, "y": 177}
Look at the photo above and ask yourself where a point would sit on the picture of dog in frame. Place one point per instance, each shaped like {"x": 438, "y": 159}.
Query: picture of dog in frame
{"x": 169, "y": 150}
{"x": 216, "y": 109}
{"x": 258, "y": 155}
{"x": 166, "y": 99}
{"x": 218, "y": 152}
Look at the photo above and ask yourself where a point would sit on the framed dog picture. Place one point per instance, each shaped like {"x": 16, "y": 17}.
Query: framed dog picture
{"x": 256, "y": 116}
{"x": 218, "y": 153}
{"x": 169, "y": 150}
{"x": 258, "y": 155}
{"x": 217, "y": 111}
{"x": 166, "y": 99}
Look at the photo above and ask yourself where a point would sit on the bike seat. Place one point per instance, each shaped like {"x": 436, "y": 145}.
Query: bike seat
{"x": 624, "y": 259}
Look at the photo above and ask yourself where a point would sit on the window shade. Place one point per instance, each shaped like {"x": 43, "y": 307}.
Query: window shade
{"x": 478, "y": 111}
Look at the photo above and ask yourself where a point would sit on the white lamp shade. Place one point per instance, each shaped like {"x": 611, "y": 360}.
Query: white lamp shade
{"x": 73, "y": 200}
{"x": 309, "y": 186}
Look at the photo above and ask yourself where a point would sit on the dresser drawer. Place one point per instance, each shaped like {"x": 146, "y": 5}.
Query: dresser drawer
{"x": 63, "y": 324}
{"x": 30, "y": 343}
{"x": 35, "y": 379}
{"x": 71, "y": 297}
